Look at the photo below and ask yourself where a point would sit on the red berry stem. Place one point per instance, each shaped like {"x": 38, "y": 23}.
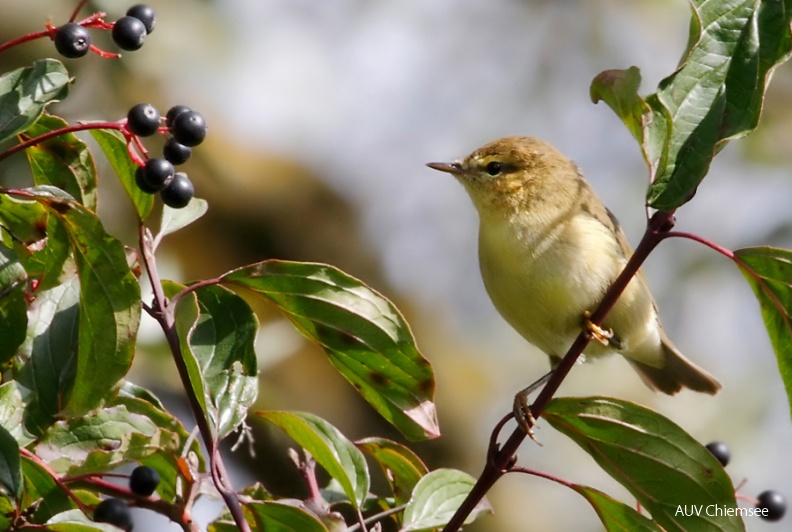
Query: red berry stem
{"x": 138, "y": 158}
{"x": 62, "y": 131}
{"x": 102, "y": 53}
{"x": 94, "y": 21}
{"x": 26, "y": 38}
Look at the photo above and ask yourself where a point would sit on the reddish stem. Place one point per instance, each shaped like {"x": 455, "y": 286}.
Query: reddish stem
{"x": 62, "y": 131}
{"x": 93, "y": 21}
{"x": 24, "y": 38}
{"x": 777, "y": 303}
{"x": 701, "y": 240}
{"x": 69, "y": 493}
{"x": 163, "y": 312}
{"x": 542, "y": 474}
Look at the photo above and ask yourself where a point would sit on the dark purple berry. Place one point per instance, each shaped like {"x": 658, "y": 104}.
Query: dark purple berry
{"x": 144, "y": 14}
{"x": 772, "y": 504}
{"x": 173, "y": 112}
{"x": 72, "y": 40}
{"x": 157, "y": 173}
{"x": 143, "y": 119}
{"x": 189, "y": 128}
{"x": 143, "y": 481}
{"x": 129, "y": 33}
{"x": 178, "y": 192}
{"x": 140, "y": 181}
{"x": 176, "y": 153}
{"x": 114, "y": 512}
{"x": 720, "y": 451}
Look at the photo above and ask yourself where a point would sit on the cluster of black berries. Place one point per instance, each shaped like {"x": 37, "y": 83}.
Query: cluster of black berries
{"x": 770, "y": 500}
{"x": 143, "y": 481}
{"x": 73, "y": 40}
{"x": 187, "y": 129}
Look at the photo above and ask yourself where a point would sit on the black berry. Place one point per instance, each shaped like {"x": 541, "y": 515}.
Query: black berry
{"x": 143, "y": 481}
{"x": 178, "y": 192}
{"x": 720, "y": 451}
{"x": 176, "y": 153}
{"x": 140, "y": 181}
{"x": 143, "y": 119}
{"x": 173, "y": 112}
{"x": 129, "y": 33}
{"x": 144, "y": 14}
{"x": 189, "y": 128}
{"x": 157, "y": 173}
{"x": 774, "y": 503}
{"x": 72, "y": 40}
{"x": 114, "y": 512}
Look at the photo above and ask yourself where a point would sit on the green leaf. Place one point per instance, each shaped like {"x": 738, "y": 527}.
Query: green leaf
{"x": 63, "y": 161}
{"x": 102, "y": 441}
{"x": 25, "y": 92}
{"x": 13, "y": 306}
{"x": 23, "y": 218}
{"x": 715, "y": 95}
{"x": 619, "y": 89}
{"x": 13, "y": 408}
{"x": 402, "y": 467}
{"x": 140, "y": 401}
{"x": 279, "y": 517}
{"x": 38, "y": 239}
{"x": 51, "y": 264}
{"x": 769, "y": 272}
{"x": 40, "y": 488}
{"x": 615, "y": 515}
{"x": 7, "y": 510}
{"x": 48, "y": 364}
{"x": 331, "y": 450}
{"x": 109, "y": 310}
{"x": 114, "y": 146}
{"x": 436, "y": 498}
{"x": 10, "y": 469}
{"x": 165, "y": 461}
{"x": 185, "y": 317}
{"x": 77, "y": 521}
{"x": 637, "y": 447}
{"x": 362, "y": 333}
{"x": 175, "y": 219}
{"x": 219, "y": 341}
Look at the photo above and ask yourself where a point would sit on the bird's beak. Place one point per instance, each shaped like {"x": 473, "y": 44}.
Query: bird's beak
{"x": 451, "y": 168}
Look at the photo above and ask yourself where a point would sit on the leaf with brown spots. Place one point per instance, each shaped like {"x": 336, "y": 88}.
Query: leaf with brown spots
{"x": 102, "y": 316}
{"x": 402, "y": 467}
{"x": 661, "y": 465}
{"x": 363, "y": 334}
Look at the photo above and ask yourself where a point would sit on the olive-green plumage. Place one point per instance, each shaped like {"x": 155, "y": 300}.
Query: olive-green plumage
{"x": 548, "y": 251}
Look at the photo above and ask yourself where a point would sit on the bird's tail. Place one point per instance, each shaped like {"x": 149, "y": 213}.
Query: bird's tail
{"x": 677, "y": 373}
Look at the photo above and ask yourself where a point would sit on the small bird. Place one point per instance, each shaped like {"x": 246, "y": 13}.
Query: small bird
{"x": 548, "y": 251}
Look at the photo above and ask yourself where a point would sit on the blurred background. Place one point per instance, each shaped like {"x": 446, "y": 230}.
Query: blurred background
{"x": 322, "y": 116}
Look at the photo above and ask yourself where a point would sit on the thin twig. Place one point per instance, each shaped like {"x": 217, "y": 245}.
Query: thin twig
{"x": 164, "y": 314}
{"x": 57, "y": 133}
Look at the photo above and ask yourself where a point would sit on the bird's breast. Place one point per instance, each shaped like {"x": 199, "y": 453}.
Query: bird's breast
{"x": 541, "y": 281}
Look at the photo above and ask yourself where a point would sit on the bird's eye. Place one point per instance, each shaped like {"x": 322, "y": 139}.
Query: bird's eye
{"x": 493, "y": 168}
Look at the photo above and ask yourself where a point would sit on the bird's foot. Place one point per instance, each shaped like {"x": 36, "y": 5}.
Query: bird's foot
{"x": 596, "y": 332}
{"x": 522, "y": 414}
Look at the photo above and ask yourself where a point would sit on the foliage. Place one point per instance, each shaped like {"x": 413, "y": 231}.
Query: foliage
{"x": 70, "y": 308}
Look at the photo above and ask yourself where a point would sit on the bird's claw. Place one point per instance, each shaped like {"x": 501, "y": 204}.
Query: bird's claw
{"x": 596, "y": 332}
{"x": 523, "y": 415}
